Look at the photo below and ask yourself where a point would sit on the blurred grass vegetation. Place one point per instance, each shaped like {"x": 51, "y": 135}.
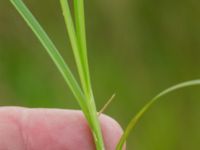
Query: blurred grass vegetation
{"x": 136, "y": 49}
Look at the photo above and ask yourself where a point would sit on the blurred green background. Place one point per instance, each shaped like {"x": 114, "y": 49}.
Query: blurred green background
{"x": 136, "y": 49}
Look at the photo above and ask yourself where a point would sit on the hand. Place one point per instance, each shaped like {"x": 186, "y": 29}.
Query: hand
{"x": 52, "y": 129}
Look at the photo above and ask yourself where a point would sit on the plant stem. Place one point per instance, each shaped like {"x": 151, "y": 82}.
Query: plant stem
{"x": 78, "y": 42}
{"x": 81, "y": 37}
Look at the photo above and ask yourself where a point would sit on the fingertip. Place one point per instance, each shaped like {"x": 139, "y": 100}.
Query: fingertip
{"x": 112, "y": 132}
{"x": 54, "y": 129}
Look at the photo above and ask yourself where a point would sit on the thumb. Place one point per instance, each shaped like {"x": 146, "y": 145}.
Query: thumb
{"x": 52, "y": 129}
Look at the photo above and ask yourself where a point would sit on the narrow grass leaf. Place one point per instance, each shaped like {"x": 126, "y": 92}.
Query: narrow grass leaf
{"x": 78, "y": 54}
{"x": 81, "y": 38}
{"x": 52, "y": 51}
{"x": 138, "y": 116}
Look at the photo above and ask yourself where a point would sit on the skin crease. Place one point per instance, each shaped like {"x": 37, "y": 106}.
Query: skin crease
{"x": 52, "y": 129}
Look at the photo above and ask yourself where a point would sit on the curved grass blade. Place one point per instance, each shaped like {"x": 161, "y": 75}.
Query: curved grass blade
{"x": 78, "y": 42}
{"x": 138, "y": 116}
{"x": 52, "y": 51}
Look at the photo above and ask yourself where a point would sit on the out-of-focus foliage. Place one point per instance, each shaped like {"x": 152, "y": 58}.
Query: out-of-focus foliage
{"x": 136, "y": 49}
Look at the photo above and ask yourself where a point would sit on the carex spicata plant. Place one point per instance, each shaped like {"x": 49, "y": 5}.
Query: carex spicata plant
{"x": 83, "y": 91}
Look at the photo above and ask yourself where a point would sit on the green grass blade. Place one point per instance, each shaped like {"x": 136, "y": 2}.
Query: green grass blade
{"x": 78, "y": 42}
{"x": 81, "y": 38}
{"x": 52, "y": 50}
{"x": 138, "y": 116}
{"x": 77, "y": 50}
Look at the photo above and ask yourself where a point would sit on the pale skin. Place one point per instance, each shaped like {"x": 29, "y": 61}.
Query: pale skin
{"x": 52, "y": 129}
